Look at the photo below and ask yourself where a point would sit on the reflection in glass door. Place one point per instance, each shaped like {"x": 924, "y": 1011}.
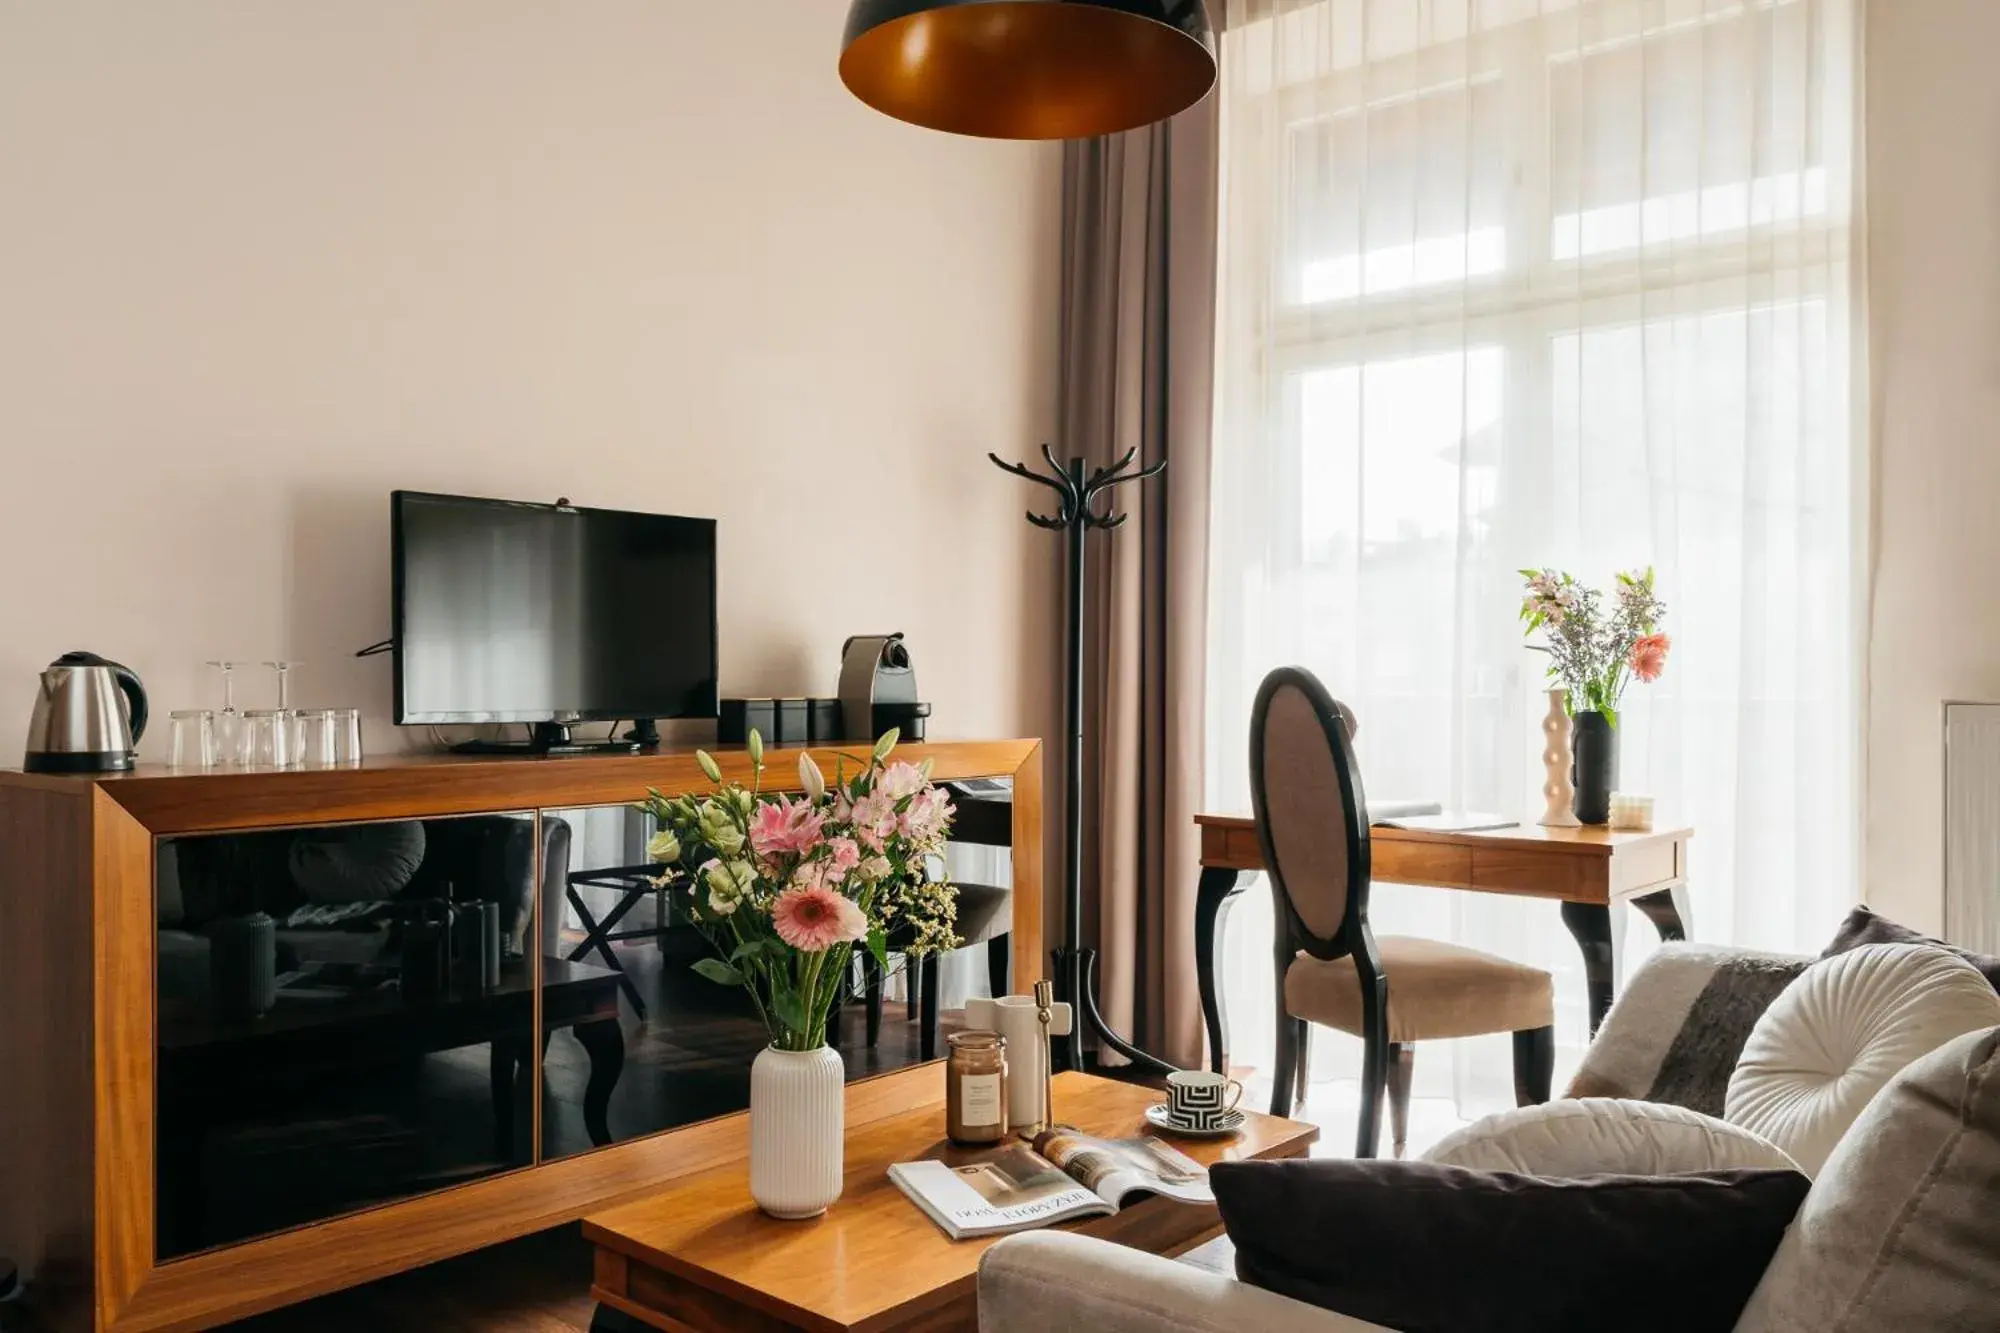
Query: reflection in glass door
{"x": 346, "y": 1017}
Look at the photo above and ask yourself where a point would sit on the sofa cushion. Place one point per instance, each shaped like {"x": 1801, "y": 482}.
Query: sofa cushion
{"x": 1441, "y": 1249}
{"x": 358, "y": 863}
{"x": 1902, "y": 1229}
{"x": 1840, "y": 1032}
{"x": 1587, "y": 1137}
{"x": 1679, "y": 1025}
{"x": 1865, "y": 927}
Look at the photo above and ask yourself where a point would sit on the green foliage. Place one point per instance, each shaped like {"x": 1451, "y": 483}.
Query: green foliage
{"x": 719, "y": 972}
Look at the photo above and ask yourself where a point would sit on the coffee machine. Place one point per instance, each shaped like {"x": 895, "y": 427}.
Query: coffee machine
{"x": 878, "y": 689}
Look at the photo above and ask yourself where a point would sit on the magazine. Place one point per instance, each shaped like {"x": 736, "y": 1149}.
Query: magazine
{"x": 1063, "y": 1174}
{"x": 1448, "y": 821}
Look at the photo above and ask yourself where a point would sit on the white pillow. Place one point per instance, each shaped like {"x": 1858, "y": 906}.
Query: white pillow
{"x": 1837, "y": 1035}
{"x": 1601, "y": 1135}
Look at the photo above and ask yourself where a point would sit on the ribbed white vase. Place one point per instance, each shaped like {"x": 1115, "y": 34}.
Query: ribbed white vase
{"x": 797, "y": 1123}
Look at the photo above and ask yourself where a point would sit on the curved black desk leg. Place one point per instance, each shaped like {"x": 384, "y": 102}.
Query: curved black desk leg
{"x": 1214, "y": 896}
{"x": 1590, "y": 924}
{"x": 1596, "y": 927}
{"x": 605, "y": 1042}
{"x": 1669, "y": 911}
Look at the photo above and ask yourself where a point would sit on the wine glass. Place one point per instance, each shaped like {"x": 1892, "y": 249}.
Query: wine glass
{"x": 230, "y": 734}
{"x": 295, "y": 721}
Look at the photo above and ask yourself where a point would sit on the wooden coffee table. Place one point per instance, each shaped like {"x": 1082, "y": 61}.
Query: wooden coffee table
{"x": 700, "y": 1258}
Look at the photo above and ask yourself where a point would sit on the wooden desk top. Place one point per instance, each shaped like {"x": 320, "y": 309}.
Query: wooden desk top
{"x": 1581, "y": 865}
{"x": 1587, "y": 841}
{"x": 874, "y": 1261}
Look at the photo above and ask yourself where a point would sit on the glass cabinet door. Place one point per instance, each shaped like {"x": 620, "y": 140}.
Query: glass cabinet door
{"x": 346, "y": 1017}
{"x": 637, "y": 1042}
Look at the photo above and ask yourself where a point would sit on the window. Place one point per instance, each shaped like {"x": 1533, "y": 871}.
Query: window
{"x": 1510, "y": 284}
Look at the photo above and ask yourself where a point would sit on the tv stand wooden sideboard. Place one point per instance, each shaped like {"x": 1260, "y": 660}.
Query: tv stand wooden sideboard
{"x": 91, "y": 1045}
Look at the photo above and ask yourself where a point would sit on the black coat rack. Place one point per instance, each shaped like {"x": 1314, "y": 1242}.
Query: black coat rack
{"x": 1077, "y": 513}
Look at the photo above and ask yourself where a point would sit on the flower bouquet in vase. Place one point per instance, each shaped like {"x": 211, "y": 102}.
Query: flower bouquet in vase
{"x": 786, "y": 887}
{"x": 1595, "y": 650}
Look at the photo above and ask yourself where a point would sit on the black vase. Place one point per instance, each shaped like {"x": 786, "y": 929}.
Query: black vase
{"x": 1594, "y": 746}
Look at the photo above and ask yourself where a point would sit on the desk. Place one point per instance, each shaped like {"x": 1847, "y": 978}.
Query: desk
{"x": 1590, "y": 871}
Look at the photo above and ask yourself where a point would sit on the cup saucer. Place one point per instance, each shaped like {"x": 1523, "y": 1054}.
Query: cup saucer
{"x": 1162, "y": 1119}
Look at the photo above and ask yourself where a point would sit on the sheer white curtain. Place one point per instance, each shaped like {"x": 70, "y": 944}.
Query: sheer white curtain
{"x": 1514, "y": 283}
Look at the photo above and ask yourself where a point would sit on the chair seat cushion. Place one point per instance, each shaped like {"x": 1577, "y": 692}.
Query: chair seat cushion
{"x": 1436, "y": 991}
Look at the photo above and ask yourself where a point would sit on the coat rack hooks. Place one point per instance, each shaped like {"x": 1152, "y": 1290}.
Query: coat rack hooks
{"x": 1077, "y": 512}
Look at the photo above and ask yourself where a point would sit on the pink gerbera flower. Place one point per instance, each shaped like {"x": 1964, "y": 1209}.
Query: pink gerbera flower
{"x": 815, "y": 918}
{"x": 1649, "y": 657}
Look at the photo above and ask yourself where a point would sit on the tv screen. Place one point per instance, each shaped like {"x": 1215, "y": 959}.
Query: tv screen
{"x": 511, "y": 612}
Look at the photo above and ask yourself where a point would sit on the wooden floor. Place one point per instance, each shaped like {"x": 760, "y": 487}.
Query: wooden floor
{"x": 540, "y": 1284}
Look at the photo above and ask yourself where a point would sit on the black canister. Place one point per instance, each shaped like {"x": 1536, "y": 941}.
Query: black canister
{"x": 426, "y": 952}
{"x": 243, "y": 965}
{"x": 475, "y": 946}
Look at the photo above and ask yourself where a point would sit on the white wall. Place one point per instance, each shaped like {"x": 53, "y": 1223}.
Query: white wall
{"x": 1934, "y": 257}
{"x": 260, "y": 263}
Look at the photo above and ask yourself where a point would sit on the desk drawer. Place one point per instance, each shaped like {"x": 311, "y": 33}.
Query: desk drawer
{"x": 1433, "y": 863}
{"x": 1540, "y": 875}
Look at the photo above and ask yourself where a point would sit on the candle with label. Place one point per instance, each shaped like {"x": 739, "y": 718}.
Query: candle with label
{"x": 976, "y": 1088}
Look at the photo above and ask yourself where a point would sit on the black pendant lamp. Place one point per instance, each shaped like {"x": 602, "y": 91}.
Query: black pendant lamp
{"x": 1029, "y": 69}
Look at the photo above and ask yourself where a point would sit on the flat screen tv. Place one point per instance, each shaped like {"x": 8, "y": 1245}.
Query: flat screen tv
{"x": 550, "y": 614}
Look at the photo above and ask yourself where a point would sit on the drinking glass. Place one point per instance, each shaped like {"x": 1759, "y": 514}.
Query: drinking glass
{"x": 321, "y": 743}
{"x": 270, "y": 738}
{"x": 194, "y": 739}
{"x": 347, "y": 727}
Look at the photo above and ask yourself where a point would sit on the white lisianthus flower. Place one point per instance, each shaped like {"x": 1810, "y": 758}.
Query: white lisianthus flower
{"x": 719, "y": 830}
{"x": 873, "y": 870}
{"x": 812, "y": 779}
{"x": 728, "y": 883}
{"x": 664, "y": 846}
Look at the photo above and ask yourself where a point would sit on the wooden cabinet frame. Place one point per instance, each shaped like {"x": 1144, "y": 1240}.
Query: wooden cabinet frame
{"x": 77, "y": 1041}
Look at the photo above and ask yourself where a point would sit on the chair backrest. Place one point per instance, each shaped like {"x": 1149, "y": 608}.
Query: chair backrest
{"x": 1311, "y": 813}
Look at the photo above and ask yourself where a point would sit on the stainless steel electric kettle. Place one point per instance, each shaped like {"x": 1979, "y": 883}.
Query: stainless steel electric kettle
{"x": 81, "y": 724}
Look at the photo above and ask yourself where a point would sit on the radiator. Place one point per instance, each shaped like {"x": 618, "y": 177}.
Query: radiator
{"x": 1972, "y": 826}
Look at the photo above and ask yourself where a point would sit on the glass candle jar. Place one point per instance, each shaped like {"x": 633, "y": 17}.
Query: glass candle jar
{"x": 975, "y": 1078}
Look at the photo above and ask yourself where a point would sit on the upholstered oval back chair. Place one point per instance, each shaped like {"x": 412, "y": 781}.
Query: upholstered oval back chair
{"x": 1312, "y": 824}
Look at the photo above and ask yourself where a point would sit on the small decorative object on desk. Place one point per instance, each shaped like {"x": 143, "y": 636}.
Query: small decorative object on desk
{"x": 1594, "y": 653}
{"x": 1060, "y": 1174}
{"x": 1027, "y": 1024}
{"x": 1631, "y": 813}
{"x": 975, "y": 1088}
{"x": 785, "y": 888}
{"x": 1558, "y": 793}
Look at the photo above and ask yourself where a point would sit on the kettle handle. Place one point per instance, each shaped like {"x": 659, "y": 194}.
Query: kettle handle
{"x": 135, "y": 697}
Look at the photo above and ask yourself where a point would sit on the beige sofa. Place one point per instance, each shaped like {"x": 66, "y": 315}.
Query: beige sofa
{"x": 1898, "y": 1232}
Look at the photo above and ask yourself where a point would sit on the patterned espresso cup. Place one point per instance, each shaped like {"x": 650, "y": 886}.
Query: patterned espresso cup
{"x": 1200, "y": 1099}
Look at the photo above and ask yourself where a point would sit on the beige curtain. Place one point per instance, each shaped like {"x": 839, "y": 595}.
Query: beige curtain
{"x": 1137, "y": 349}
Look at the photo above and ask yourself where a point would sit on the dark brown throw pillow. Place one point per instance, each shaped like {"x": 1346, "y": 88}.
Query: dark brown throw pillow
{"x": 1440, "y": 1249}
{"x": 1864, "y": 927}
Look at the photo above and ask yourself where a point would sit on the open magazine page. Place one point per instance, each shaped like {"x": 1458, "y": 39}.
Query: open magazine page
{"x": 1114, "y": 1168}
{"x": 1010, "y": 1188}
